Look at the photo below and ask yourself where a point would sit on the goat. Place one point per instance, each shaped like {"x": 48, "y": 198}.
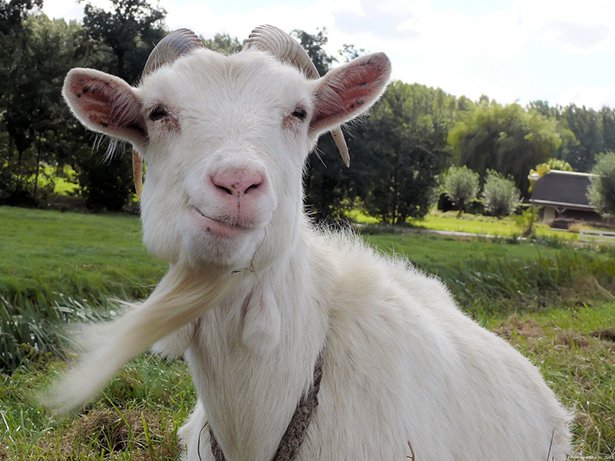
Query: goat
{"x": 273, "y": 314}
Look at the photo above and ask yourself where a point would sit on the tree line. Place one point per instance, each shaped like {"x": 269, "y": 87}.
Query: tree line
{"x": 399, "y": 153}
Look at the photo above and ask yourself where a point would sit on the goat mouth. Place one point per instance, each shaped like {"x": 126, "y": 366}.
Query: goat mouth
{"x": 216, "y": 226}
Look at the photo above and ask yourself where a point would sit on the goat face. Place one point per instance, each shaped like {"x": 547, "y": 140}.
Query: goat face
{"x": 225, "y": 140}
{"x": 224, "y": 156}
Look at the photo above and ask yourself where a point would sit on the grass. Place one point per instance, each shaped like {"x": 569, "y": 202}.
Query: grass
{"x": 80, "y": 255}
{"x": 472, "y": 224}
{"x": 575, "y": 351}
{"x": 550, "y": 300}
{"x": 136, "y": 418}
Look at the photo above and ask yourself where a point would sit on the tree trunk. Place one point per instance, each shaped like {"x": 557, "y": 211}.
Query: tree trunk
{"x": 38, "y": 165}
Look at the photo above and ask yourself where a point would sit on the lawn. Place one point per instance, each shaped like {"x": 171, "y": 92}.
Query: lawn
{"x": 552, "y": 301}
{"x": 77, "y": 254}
{"x": 472, "y": 224}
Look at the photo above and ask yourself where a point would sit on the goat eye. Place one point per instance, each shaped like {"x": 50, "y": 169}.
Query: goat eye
{"x": 299, "y": 113}
{"x": 158, "y": 112}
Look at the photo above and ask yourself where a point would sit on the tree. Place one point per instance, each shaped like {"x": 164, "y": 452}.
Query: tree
{"x": 126, "y": 34}
{"x": 461, "y": 185}
{"x": 507, "y": 139}
{"x": 500, "y": 195}
{"x": 601, "y": 192}
{"x": 34, "y": 112}
{"x": 400, "y": 151}
{"x": 124, "y": 37}
{"x": 223, "y": 43}
{"x": 327, "y": 181}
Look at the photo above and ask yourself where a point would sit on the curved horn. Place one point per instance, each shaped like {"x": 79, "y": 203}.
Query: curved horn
{"x": 286, "y": 49}
{"x": 178, "y": 43}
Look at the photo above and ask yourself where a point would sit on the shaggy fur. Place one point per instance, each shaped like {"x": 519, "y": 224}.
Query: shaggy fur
{"x": 405, "y": 372}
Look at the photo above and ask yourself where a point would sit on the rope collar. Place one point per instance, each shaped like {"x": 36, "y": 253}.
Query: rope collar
{"x": 289, "y": 446}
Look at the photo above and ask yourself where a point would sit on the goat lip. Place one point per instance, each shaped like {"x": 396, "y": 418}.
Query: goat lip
{"x": 214, "y": 226}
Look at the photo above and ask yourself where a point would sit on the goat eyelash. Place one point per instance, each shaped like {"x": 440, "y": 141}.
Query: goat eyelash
{"x": 299, "y": 113}
{"x": 158, "y": 112}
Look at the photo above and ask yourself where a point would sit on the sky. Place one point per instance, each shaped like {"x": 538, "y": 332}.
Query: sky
{"x": 559, "y": 51}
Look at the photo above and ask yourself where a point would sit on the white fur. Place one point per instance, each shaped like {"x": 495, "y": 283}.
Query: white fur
{"x": 403, "y": 366}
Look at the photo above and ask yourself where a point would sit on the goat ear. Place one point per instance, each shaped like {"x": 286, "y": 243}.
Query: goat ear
{"x": 105, "y": 104}
{"x": 349, "y": 90}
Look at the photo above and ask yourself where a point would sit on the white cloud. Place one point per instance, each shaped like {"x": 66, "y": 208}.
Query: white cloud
{"x": 549, "y": 49}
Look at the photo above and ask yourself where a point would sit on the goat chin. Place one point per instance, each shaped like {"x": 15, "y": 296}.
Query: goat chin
{"x": 181, "y": 297}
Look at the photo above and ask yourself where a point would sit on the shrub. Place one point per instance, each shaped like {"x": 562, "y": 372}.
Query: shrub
{"x": 461, "y": 186}
{"x": 500, "y": 195}
{"x": 601, "y": 192}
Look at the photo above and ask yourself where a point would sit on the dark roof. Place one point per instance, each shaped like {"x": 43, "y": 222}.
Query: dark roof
{"x": 562, "y": 188}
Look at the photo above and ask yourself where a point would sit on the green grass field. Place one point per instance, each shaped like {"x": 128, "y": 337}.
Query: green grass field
{"x": 553, "y": 302}
{"x": 472, "y": 224}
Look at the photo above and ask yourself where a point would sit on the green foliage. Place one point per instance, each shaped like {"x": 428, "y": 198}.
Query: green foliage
{"x": 401, "y": 149}
{"x": 494, "y": 277}
{"x": 106, "y": 182}
{"x": 461, "y": 185}
{"x": 601, "y": 192}
{"x": 500, "y": 195}
{"x": 327, "y": 182}
{"x": 540, "y": 170}
{"x": 223, "y": 43}
{"x": 34, "y": 114}
{"x": 506, "y": 139}
{"x": 127, "y": 34}
{"x": 315, "y": 44}
{"x": 526, "y": 221}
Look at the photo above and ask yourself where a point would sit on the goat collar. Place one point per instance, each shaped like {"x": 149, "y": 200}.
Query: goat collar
{"x": 289, "y": 446}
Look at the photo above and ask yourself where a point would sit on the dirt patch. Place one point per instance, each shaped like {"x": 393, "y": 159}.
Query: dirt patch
{"x": 571, "y": 339}
{"x": 608, "y": 334}
{"x": 514, "y": 326}
{"x": 106, "y": 431}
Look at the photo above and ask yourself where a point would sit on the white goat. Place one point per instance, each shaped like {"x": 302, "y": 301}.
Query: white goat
{"x": 264, "y": 307}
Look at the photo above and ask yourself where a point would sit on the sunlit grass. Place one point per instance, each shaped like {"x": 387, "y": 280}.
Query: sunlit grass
{"x": 547, "y": 299}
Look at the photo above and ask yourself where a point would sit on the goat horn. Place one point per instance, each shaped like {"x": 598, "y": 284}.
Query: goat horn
{"x": 286, "y": 49}
{"x": 178, "y": 43}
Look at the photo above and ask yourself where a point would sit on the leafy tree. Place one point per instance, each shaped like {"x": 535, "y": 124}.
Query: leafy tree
{"x": 124, "y": 37}
{"x": 500, "y": 195}
{"x": 601, "y": 192}
{"x": 461, "y": 185}
{"x": 587, "y": 128}
{"x": 314, "y": 45}
{"x": 401, "y": 151}
{"x": 327, "y": 180}
{"x": 126, "y": 34}
{"x": 507, "y": 139}
{"x": 34, "y": 111}
{"x": 14, "y": 12}
{"x": 223, "y": 43}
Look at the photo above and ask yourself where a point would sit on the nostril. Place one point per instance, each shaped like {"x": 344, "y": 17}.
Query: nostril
{"x": 252, "y": 187}
{"x": 235, "y": 182}
{"x": 224, "y": 189}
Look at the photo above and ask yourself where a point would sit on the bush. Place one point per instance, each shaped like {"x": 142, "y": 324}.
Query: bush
{"x": 106, "y": 183}
{"x": 500, "y": 195}
{"x": 461, "y": 186}
{"x": 601, "y": 192}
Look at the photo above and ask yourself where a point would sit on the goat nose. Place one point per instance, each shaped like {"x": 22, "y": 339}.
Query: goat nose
{"x": 237, "y": 182}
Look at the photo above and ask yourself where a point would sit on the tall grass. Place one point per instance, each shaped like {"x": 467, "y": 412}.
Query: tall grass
{"x": 494, "y": 277}
{"x": 59, "y": 267}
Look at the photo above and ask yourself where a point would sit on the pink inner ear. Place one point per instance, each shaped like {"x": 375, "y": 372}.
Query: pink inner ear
{"x": 349, "y": 90}
{"x": 109, "y": 106}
